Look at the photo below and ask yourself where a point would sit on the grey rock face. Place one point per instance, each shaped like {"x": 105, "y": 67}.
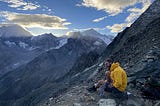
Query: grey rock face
{"x": 137, "y": 48}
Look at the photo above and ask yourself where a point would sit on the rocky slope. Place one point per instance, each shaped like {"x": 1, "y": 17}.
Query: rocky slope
{"x": 138, "y": 45}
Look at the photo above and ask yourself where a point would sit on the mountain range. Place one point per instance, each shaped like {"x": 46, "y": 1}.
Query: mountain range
{"x": 38, "y": 61}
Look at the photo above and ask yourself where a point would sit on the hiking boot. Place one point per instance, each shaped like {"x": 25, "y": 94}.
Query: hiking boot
{"x": 92, "y": 89}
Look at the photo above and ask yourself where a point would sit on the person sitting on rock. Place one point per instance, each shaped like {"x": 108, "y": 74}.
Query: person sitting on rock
{"x": 116, "y": 79}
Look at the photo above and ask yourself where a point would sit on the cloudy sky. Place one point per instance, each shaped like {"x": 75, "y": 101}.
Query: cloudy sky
{"x": 61, "y": 16}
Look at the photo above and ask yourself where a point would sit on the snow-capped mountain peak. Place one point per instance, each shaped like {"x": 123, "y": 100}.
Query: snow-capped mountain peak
{"x": 91, "y": 32}
{"x": 13, "y": 30}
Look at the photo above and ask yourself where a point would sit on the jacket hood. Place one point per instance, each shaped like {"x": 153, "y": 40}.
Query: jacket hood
{"x": 114, "y": 65}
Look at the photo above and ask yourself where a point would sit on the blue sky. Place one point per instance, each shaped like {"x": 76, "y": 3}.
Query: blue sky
{"x": 62, "y": 16}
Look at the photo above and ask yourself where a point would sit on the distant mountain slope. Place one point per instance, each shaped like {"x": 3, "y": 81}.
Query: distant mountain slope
{"x": 47, "y": 67}
{"x": 31, "y": 63}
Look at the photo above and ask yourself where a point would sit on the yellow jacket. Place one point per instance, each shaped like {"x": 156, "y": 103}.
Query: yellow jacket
{"x": 118, "y": 76}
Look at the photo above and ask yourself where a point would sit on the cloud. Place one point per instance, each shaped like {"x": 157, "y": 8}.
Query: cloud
{"x": 36, "y": 20}
{"x": 133, "y": 16}
{"x": 118, "y": 27}
{"x": 112, "y": 7}
{"x": 21, "y": 4}
{"x": 99, "y": 19}
{"x": 134, "y": 13}
{"x": 78, "y": 5}
{"x": 69, "y": 33}
{"x": 45, "y": 8}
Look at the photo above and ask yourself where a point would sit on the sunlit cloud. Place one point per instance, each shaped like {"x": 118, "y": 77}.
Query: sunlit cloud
{"x": 21, "y": 4}
{"x": 112, "y": 7}
{"x": 99, "y": 19}
{"x": 36, "y": 20}
{"x": 118, "y": 27}
{"x": 134, "y": 13}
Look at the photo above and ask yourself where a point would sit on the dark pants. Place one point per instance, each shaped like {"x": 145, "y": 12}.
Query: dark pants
{"x": 111, "y": 89}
